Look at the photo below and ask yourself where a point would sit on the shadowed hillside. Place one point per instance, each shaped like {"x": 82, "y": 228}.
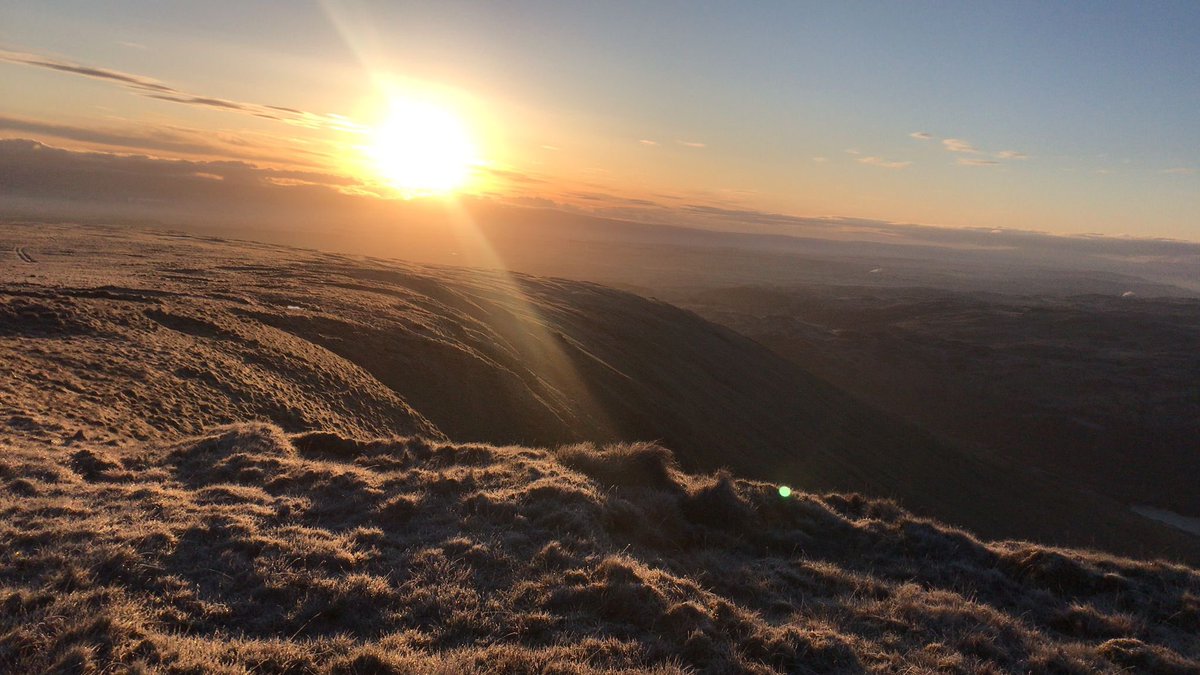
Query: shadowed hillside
{"x": 1100, "y": 389}
{"x": 248, "y": 550}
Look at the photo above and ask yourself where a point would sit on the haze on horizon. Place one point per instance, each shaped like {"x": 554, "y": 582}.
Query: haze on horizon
{"x": 1016, "y": 117}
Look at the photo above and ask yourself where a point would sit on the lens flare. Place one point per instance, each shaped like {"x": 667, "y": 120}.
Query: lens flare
{"x": 785, "y": 491}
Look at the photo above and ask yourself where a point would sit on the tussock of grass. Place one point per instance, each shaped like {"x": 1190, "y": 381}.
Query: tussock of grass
{"x": 625, "y": 465}
{"x": 249, "y": 550}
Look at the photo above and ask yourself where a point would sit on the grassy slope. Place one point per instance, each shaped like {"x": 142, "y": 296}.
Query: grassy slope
{"x": 289, "y": 546}
{"x": 119, "y": 334}
{"x": 250, "y": 550}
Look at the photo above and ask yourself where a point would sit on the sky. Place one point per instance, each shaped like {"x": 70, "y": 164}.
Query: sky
{"x": 1053, "y": 117}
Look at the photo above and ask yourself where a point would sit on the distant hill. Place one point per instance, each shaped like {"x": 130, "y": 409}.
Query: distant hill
{"x": 120, "y": 335}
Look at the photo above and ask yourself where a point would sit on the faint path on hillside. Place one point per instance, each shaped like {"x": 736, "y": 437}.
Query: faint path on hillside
{"x": 1190, "y": 525}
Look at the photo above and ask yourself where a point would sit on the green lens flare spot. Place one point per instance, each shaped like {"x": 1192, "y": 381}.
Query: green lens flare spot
{"x": 785, "y": 491}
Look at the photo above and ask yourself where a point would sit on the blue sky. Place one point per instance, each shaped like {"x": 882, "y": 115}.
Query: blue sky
{"x": 1048, "y": 116}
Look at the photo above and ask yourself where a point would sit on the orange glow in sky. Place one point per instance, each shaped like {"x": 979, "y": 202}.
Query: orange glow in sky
{"x": 983, "y": 117}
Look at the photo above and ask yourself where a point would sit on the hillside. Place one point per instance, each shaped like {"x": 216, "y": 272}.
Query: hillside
{"x": 120, "y": 334}
{"x": 250, "y": 550}
{"x": 188, "y": 483}
{"x": 1095, "y": 389}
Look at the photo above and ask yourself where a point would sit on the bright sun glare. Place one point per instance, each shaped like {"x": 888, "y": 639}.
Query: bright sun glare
{"x": 422, "y": 149}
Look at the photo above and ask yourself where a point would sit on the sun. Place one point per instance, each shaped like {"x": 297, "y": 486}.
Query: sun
{"x": 422, "y": 149}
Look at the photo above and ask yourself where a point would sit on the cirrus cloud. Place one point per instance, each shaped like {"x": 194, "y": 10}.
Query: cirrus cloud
{"x": 970, "y": 161}
{"x": 958, "y": 145}
{"x": 883, "y": 163}
{"x": 155, "y": 89}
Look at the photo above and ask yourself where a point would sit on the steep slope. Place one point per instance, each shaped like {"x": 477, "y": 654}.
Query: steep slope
{"x": 115, "y": 362}
{"x": 484, "y": 356}
{"x": 122, "y": 334}
{"x": 248, "y": 550}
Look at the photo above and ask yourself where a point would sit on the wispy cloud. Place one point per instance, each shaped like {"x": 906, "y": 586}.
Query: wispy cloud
{"x": 958, "y": 145}
{"x": 883, "y": 163}
{"x": 137, "y": 82}
{"x": 152, "y": 88}
{"x": 39, "y": 167}
{"x": 647, "y": 141}
{"x": 962, "y": 146}
{"x": 204, "y": 101}
{"x": 921, "y": 135}
{"x": 820, "y": 160}
{"x": 174, "y": 142}
{"x": 145, "y": 138}
{"x": 1180, "y": 170}
{"x": 606, "y": 198}
{"x": 692, "y": 144}
{"x": 511, "y": 175}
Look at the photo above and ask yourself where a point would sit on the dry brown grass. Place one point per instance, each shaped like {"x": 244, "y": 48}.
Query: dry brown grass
{"x": 249, "y": 550}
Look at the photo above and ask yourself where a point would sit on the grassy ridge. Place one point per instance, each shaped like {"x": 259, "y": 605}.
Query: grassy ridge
{"x": 251, "y": 550}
